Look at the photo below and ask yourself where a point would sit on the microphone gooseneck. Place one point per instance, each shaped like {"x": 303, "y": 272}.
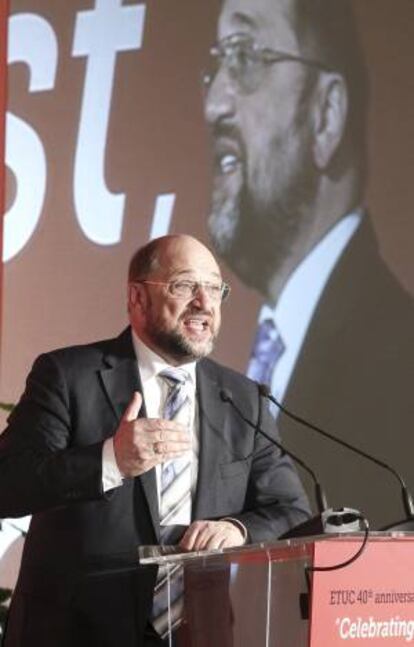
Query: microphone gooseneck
{"x": 320, "y": 496}
{"x": 406, "y": 495}
{"x": 327, "y": 521}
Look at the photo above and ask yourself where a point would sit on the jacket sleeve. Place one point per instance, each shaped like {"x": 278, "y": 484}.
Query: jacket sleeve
{"x": 40, "y": 465}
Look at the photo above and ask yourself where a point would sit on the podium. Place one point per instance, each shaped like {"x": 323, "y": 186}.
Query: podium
{"x": 268, "y": 595}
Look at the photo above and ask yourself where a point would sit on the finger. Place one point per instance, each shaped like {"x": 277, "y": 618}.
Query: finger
{"x": 188, "y": 540}
{"x": 175, "y": 447}
{"x": 211, "y": 535}
{"x": 149, "y": 433}
{"x": 219, "y": 539}
{"x": 132, "y": 410}
{"x": 208, "y": 538}
{"x": 226, "y": 535}
{"x": 158, "y": 425}
{"x": 172, "y": 439}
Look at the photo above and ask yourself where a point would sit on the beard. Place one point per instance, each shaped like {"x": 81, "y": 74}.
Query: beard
{"x": 255, "y": 234}
{"x": 175, "y": 344}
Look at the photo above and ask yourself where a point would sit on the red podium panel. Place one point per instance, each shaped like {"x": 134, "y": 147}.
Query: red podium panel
{"x": 369, "y": 602}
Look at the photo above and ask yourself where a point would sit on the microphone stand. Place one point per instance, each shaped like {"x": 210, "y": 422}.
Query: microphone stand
{"x": 327, "y": 520}
{"x": 405, "y": 525}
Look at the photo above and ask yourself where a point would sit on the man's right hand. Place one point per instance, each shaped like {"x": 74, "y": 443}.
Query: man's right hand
{"x": 142, "y": 443}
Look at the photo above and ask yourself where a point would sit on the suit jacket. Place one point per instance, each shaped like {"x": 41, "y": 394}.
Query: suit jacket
{"x": 81, "y": 551}
{"x": 354, "y": 377}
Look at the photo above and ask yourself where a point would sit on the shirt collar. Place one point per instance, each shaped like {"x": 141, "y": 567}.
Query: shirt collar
{"x": 151, "y": 364}
{"x": 301, "y": 293}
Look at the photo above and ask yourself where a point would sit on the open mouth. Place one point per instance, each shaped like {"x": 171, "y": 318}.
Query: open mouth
{"x": 196, "y": 325}
{"x": 228, "y": 163}
{"x": 227, "y": 155}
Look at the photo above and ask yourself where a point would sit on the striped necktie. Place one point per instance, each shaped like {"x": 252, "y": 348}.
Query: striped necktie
{"x": 175, "y": 490}
{"x": 175, "y": 511}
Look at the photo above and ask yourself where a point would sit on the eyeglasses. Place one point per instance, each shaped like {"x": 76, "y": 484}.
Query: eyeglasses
{"x": 189, "y": 289}
{"x": 246, "y": 61}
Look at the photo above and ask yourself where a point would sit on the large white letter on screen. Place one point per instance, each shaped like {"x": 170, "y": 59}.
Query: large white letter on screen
{"x": 161, "y": 221}
{"x": 32, "y": 41}
{"x": 99, "y": 35}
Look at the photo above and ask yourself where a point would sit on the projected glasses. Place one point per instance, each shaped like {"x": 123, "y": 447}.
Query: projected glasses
{"x": 245, "y": 61}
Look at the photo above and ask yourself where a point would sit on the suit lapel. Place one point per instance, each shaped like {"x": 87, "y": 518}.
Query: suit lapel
{"x": 120, "y": 379}
{"x": 212, "y": 412}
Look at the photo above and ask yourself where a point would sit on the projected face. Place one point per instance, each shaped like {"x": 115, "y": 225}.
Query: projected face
{"x": 258, "y": 107}
{"x": 178, "y": 320}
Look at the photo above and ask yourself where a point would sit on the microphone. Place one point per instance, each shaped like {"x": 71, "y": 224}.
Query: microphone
{"x": 405, "y": 525}
{"x": 320, "y": 496}
{"x": 328, "y": 520}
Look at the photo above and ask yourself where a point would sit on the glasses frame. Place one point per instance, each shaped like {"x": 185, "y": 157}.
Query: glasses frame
{"x": 254, "y": 53}
{"x": 195, "y": 287}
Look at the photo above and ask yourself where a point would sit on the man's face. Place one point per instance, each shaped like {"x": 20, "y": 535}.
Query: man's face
{"x": 178, "y": 329}
{"x": 264, "y": 177}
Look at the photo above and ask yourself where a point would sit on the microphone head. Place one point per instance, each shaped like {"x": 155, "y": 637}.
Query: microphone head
{"x": 226, "y": 395}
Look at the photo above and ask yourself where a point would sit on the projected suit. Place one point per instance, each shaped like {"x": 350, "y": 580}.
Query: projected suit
{"x": 354, "y": 379}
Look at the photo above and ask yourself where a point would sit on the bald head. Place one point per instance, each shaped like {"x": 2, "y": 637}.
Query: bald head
{"x": 151, "y": 257}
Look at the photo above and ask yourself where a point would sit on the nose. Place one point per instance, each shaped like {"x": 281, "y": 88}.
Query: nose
{"x": 202, "y": 298}
{"x": 219, "y": 100}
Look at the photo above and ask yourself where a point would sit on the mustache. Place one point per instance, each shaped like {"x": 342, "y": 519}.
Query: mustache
{"x": 224, "y": 129}
{"x": 223, "y": 132}
{"x": 197, "y": 312}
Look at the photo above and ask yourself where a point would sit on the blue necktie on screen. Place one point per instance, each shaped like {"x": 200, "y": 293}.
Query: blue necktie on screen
{"x": 268, "y": 348}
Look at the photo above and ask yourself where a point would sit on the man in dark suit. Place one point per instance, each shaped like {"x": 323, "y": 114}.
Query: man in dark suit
{"x": 86, "y": 447}
{"x": 287, "y": 104}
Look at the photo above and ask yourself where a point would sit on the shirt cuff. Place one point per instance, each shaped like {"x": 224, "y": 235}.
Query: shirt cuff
{"x": 111, "y": 476}
{"x": 239, "y": 525}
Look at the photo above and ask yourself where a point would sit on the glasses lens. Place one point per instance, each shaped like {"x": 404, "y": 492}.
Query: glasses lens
{"x": 214, "y": 290}
{"x": 181, "y": 289}
{"x": 242, "y": 62}
{"x": 188, "y": 289}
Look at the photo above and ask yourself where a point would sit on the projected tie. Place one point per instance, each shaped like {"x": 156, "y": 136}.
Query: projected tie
{"x": 268, "y": 348}
{"x": 175, "y": 511}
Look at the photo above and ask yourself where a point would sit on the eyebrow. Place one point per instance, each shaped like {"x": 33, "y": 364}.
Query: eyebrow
{"x": 245, "y": 20}
{"x": 181, "y": 273}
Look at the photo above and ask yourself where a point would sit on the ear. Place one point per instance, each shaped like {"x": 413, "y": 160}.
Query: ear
{"x": 136, "y": 296}
{"x": 331, "y": 110}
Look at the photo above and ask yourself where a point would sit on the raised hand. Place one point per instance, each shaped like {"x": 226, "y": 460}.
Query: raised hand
{"x": 142, "y": 443}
